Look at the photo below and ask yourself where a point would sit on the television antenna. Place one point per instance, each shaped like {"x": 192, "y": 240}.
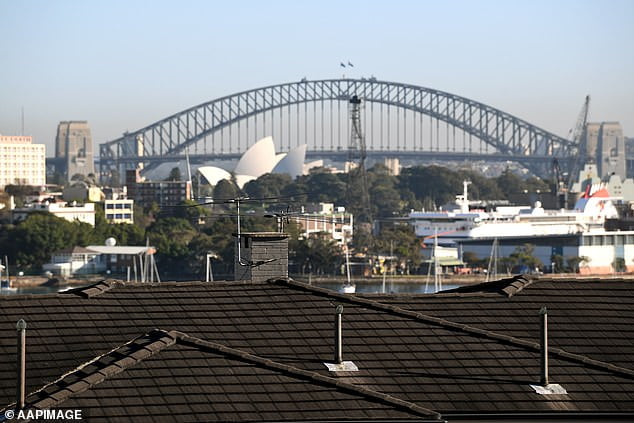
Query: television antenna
{"x": 241, "y": 200}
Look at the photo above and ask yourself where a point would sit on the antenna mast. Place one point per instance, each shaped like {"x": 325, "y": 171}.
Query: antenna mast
{"x": 357, "y": 152}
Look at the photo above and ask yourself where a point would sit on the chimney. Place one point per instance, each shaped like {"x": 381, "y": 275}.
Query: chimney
{"x": 338, "y": 335}
{"x": 21, "y": 364}
{"x": 544, "y": 345}
{"x": 260, "y": 256}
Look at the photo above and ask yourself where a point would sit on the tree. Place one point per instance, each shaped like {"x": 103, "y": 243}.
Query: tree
{"x": 402, "y": 241}
{"x": 220, "y": 237}
{"x": 324, "y": 187}
{"x": 523, "y": 256}
{"x": 509, "y": 183}
{"x": 385, "y": 199}
{"x": 191, "y": 211}
{"x": 558, "y": 263}
{"x": 199, "y": 246}
{"x": 268, "y": 185}
{"x": 20, "y": 192}
{"x": 32, "y": 242}
{"x": 225, "y": 189}
{"x": 322, "y": 253}
{"x": 619, "y": 265}
{"x": 175, "y": 175}
{"x": 438, "y": 183}
{"x": 472, "y": 260}
{"x": 575, "y": 262}
{"x": 171, "y": 237}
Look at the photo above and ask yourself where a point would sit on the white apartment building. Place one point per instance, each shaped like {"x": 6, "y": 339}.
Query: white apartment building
{"x": 119, "y": 211}
{"x": 71, "y": 212}
{"x": 327, "y": 219}
{"x": 21, "y": 161}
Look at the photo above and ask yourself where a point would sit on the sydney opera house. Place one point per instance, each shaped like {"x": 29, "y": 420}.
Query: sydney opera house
{"x": 258, "y": 160}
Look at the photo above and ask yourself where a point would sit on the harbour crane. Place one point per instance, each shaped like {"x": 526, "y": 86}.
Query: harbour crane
{"x": 578, "y": 135}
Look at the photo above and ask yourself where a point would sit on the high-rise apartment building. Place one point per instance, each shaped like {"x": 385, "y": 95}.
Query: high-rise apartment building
{"x": 73, "y": 144}
{"x": 605, "y": 144}
{"x": 629, "y": 157}
{"x": 161, "y": 193}
{"x": 21, "y": 161}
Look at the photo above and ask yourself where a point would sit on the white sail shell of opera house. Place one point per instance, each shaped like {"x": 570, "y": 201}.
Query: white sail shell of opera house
{"x": 293, "y": 162}
{"x": 258, "y": 159}
{"x": 214, "y": 174}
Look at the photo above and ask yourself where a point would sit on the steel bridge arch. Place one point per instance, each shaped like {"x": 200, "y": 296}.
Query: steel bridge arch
{"x": 506, "y": 133}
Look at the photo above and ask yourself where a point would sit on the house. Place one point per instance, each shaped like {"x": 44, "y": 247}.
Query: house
{"x": 267, "y": 351}
{"x": 119, "y": 211}
{"x": 324, "y": 218}
{"x": 82, "y": 191}
{"x": 75, "y": 261}
{"x": 84, "y": 213}
{"x": 135, "y": 261}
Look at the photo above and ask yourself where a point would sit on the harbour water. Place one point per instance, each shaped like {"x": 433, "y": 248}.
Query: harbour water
{"x": 41, "y": 289}
{"x": 376, "y": 287}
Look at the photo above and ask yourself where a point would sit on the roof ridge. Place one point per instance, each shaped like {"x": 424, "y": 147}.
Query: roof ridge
{"x": 519, "y": 283}
{"x": 92, "y": 290}
{"x": 155, "y": 341}
{"x": 534, "y": 346}
{"x": 314, "y": 376}
{"x": 104, "y": 285}
{"x": 505, "y": 286}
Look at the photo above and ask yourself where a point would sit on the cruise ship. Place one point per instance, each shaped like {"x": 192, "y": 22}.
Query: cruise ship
{"x": 575, "y": 236}
{"x": 461, "y": 223}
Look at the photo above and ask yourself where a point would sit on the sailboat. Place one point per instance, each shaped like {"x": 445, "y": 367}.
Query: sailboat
{"x": 349, "y": 287}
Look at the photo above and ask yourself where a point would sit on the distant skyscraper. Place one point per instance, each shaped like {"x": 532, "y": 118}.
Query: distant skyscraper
{"x": 21, "y": 161}
{"x": 606, "y": 145}
{"x": 73, "y": 144}
{"x": 629, "y": 157}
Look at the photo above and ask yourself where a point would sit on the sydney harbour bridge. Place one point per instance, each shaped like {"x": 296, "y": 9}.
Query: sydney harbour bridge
{"x": 398, "y": 120}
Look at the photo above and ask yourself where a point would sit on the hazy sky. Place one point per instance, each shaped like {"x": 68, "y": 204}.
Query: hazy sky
{"x": 122, "y": 65}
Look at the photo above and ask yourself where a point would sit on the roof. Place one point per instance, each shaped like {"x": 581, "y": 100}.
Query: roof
{"x": 466, "y": 352}
{"x": 74, "y": 250}
{"x": 120, "y": 249}
{"x": 593, "y": 317}
{"x": 199, "y": 380}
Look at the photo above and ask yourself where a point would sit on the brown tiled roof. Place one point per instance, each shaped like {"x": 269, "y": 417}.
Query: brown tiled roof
{"x": 454, "y": 353}
{"x": 171, "y": 373}
{"x": 74, "y": 250}
{"x": 590, "y": 316}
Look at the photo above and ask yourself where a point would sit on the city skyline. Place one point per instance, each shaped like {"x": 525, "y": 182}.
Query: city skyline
{"x": 123, "y": 66}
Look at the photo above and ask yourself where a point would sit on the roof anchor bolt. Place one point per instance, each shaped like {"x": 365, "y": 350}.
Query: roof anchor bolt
{"x": 21, "y": 364}
{"x": 543, "y": 312}
{"x": 338, "y": 335}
